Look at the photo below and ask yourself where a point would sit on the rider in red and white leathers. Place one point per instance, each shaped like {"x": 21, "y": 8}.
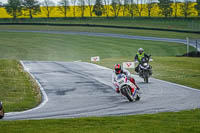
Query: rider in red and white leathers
{"x": 119, "y": 70}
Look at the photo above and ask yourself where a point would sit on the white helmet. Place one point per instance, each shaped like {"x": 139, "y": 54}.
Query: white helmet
{"x": 140, "y": 50}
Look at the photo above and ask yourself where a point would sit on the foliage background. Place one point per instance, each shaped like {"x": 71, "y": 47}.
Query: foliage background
{"x": 57, "y": 13}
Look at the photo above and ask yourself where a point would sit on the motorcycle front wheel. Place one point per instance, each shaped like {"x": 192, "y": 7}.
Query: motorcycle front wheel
{"x": 146, "y": 76}
{"x": 127, "y": 92}
{"x": 146, "y": 79}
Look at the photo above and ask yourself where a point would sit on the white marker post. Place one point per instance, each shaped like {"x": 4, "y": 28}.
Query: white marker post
{"x": 187, "y": 38}
{"x": 95, "y": 59}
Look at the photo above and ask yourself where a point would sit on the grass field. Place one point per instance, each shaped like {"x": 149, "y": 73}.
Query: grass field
{"x": 177, "y": 122}
{"x": 150, "y": 33}
{"x": 63, "y": 47}
{"x": 18, "y": 90}
{"x": 192, "y": 24}
{"x": 35, "y": 46}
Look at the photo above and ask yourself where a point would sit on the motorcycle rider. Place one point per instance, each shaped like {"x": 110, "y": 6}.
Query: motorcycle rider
{"x": 138, "y": 57}
{"x": 119, "y": 70}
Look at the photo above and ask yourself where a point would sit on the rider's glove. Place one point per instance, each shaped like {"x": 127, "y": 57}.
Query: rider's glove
{"x": 136, "y": 61}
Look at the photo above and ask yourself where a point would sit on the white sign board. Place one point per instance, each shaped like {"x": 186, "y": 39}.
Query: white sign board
{"x": 128, "y": 65}
{"x": 96, "y": 58}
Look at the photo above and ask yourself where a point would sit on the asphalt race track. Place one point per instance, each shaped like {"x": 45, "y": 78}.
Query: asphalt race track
{"x": 78, "y": 89}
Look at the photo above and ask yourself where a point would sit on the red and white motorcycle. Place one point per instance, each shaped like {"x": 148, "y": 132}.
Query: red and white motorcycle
{"x": 127, "y": 88}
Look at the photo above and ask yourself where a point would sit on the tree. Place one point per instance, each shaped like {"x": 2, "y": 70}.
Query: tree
{"x": 89, "y": 2}
{"x": 116, "y": 7}
{"x": 32, "y": 6}
{"x": 98, "y": 8}
{"x": 1, "y": 4}
{"x": 150, "y": 6}
{"x": 14, "y": 8}
{"x": 64, "y": 7}
{"x": 175, "y": 5}
{"x": 139, "y": 6}
{"x": 186, "y": 7}
{"x": 165, "y": 6}
{"x": 82, "y": 7}
{"x": 107, "y": 7}
{"x": 197, "y": 7}
{"x": 74, "y": 7}
{"x": 125, "y": 7}
{"x": 131, "y": 8}
{"x": 48, "y": 7}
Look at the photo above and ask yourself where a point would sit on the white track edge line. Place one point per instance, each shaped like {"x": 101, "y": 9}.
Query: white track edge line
{"x": 186, "y": 87}
{"x": 44, "y": 95}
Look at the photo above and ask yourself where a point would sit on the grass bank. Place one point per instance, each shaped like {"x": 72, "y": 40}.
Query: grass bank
{"x": 63, "y": 47}
{"x": 18, "y": 90}
{"x": 191, "y": 24}
{"x": 150, "y": 33}
{"x": 176, "y": 122}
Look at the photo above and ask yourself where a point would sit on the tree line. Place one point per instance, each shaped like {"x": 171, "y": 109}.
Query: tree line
{"x": 17, "y": 8}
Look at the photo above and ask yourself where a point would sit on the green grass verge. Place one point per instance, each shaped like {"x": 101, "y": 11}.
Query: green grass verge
{"x": 38, "y": 46}
{"x": 163, "y": 23}
{"x": 150, "y": 33}
{"x": 18, "y": 90}
{"x": 181, "y": 70}
{"x": 179, "y": 122}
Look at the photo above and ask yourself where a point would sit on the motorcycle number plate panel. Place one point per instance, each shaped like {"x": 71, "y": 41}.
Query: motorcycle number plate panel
{"x": 121, "y": 82}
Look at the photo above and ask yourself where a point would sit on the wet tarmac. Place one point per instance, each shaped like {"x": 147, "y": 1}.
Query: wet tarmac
{"x": 79, "y": 89}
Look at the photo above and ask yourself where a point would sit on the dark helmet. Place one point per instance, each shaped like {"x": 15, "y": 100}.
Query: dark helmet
{"x": 118, "y": 68}
{"x": 140, "y": 50}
